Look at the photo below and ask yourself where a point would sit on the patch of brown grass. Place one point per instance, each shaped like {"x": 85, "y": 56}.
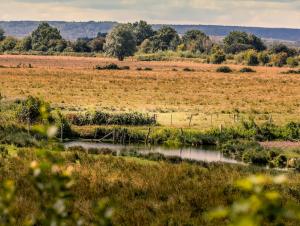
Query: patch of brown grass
{"x": 73, "y": 84}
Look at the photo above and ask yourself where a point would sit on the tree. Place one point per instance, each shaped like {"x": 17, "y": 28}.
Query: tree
{"x": 196, "y": 41}
{"x": 97, "y": 44}
{"x": 2, "y": 36}
{"x": 8, "y": 44}
{"x": 82, "y": 45}
{"x": 44, "y": 37}
{"x": 120, "y": 42}
{"x": 24, "y": 44}
{"x": 142, "y": 31}
{"x": 237, "y": 41}
{"x": 281, "y": 48}
{"x": 165, "y": 39}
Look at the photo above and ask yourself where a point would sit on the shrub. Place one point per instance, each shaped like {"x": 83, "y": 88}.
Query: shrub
{"x": 292, "y": 62}
{"x": 33, "y": 110}
{"x": 247, "y": 70}
{"x": 256, "y": 157}
{"x": 251, "y": 58}
{"x": 111, "y": 66}
{"x": 144, "y": 69}
{"x": 292, "y": 72}
{"x": 218, "y": 57}
{"x": 279, "y": 59}
{"x": 188, "y": 69}
{"x": 224, "y": 69}
{"x": 102, "y": 118}
{"x": 263, "y": 58}
{"x": 281, "y": 161}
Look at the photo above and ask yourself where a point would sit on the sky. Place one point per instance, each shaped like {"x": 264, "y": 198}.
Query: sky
{"x": 262, "y": 13}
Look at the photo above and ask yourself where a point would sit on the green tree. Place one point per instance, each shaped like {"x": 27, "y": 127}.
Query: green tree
{"x": 24, "y": 44}
{"x": 8, "y": 44}
{"x": 120, "y": 42}
{"x": 196, "y": 41}
{"x": 82, "y": 45}
{"x": 281, "y": 48}
{"x": 44, "y": 37}
{"x": 97, "y": 44}
{"x": 237, "y": 41}
{"x": 142, "y": 31}
{"x": 2, "y": 36}
{"x": 165, "y": 39}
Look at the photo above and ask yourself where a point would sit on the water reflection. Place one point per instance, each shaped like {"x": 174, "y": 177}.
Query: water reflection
{"x": 206, "y": 154}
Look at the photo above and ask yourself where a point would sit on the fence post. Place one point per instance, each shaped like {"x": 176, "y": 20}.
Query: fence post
{"x": 191, "y": 118}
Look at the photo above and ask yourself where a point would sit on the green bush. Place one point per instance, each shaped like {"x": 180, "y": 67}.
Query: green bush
{"x": 247, "y": 70}
{"x": 224, "y": 69}
{"x": 292, "y": 62}
{"x": 32, "y": 110}
{"x": 218, "y": 57}
{"x": 279, "y": 59}
{"x": 251, "y": 58}
{"x": 263, "y": 58}
{"x": 292, "y": 72}
{"x": 111, "y": 66}
{"x": 102, "y": 118}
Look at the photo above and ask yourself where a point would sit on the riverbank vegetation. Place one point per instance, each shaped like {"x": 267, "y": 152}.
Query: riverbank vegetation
{"x": 23, "y": 122}
{"x": 140, "y": 190}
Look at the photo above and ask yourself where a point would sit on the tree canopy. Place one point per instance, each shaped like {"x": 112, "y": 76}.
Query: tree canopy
{"x": 2, "y": 36}
{"x": 238, "y": 41}
{"x": 121, "y": 42}
{"x": 142, "y": 31}
{"x": 44, "y": 37}
{"x": 196, "y": 41}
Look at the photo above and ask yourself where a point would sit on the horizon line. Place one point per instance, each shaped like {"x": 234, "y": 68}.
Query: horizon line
{"x": 170, "y": 24}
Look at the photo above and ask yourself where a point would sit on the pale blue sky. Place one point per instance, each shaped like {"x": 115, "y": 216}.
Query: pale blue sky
{"x": 270, "y": 13}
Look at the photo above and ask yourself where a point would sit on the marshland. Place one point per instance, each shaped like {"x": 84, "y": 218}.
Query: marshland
{"x": 160, "y": 133}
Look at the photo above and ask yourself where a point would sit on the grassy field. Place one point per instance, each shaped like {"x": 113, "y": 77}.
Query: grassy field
{"x": 141, "y": 192}
{"x": 173, "y": 94}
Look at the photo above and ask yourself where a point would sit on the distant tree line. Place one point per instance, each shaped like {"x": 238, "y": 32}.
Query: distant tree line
{"x": 127, "y": 39}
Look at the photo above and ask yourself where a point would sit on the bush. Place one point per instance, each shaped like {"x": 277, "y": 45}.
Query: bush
{"x": 292, "y": 72}
{"x": 281, "y": 161}
{"x": 279, "y": 59}
{"x": 112, "y": 66}
{"x": 33, "y": 110}
{"x": 247, "y": 70}
{"x": 251, "y": 58}
{"x": 102, "y": 118}
{"x": 218, "y": 57}
{"x": 292, "y": 62}
{"x": 224, "y": 69}
{"x": 188, "y": 69}
{"x": 263, "y": 58}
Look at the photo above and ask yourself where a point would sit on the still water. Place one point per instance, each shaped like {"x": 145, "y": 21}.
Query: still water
{"x": 200, "y": 154}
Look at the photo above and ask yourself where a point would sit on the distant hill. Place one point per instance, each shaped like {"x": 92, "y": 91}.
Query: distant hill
{"x": 74, "y": 30}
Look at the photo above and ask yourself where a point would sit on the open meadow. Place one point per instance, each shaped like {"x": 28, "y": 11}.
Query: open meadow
{"x": 166, "y": 88}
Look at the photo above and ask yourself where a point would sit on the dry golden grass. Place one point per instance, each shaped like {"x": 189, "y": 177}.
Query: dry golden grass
{"x": 73, "y": 84}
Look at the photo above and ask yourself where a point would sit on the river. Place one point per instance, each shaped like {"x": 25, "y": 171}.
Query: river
{"x": 206, "y": 154}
